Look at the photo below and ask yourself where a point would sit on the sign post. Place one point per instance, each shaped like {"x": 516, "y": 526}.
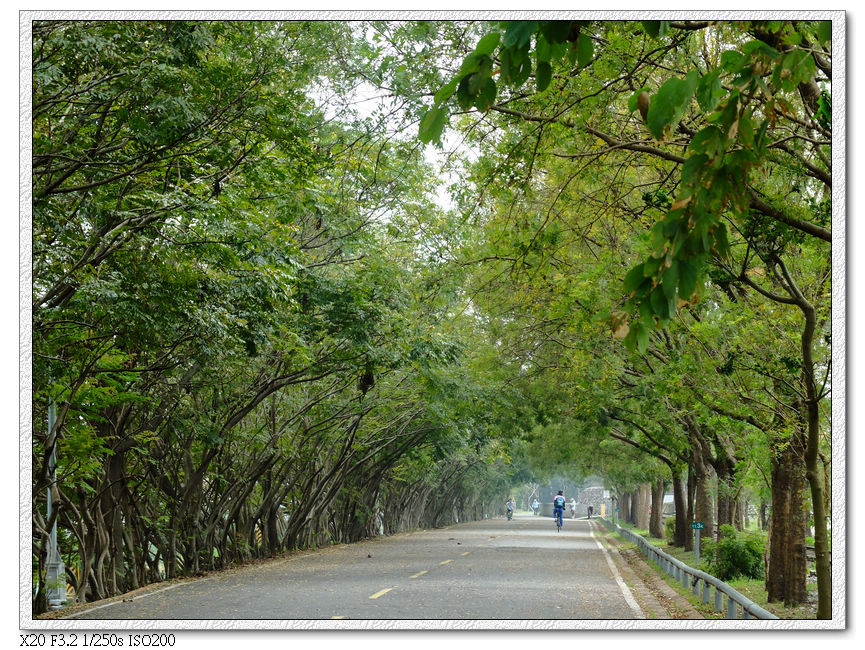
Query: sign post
{"x": 697, "y": 526}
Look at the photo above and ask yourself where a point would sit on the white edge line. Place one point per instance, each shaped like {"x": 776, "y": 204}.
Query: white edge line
{"x": 118, "y": 602}
{"x": 626, "y": 592}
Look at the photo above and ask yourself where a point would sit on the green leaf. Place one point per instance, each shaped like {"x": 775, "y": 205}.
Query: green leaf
{"x": 660, "y": 304}
{"x": 432, "y": 124}
{"x": 722, "y": 245}
{"x": 709, "y": 90}
{"x": 759, "y": 46}
{"x": 585, "y": 49}
{"x": 523, "y": 71}
{"x": 464, "y": 98}
{"x": 670, "y": 280}
{"x": 488, "y": 43}
{"x": 687, "y": 279}
{"x": 543, "y": 50}
{"x": 651, "y": 27}
{"x": 641, "y": 334}
{"x": 519, "y": 33}
{"x": 693, "y": 167}
{"x": 824, "y": 31}
{"x": 476, "y": 82}
{"x": 516, "y": 66}
{"x": 445, "y": 91}
{"x": 543, "y": 75}
{"x": 746, "y": 129}
{"x": 733, "y": 61}
{"x": 555, "y": 31}
{"x": 709, "y": 141}
{"x": 670, "y": 102}
{"x": 487, "y": 96}
{"x": 633, "y": 279}
{"x": 471, "y": 64}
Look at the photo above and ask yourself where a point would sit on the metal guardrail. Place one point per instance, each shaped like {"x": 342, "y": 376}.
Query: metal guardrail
{"x": 697, "y": 580}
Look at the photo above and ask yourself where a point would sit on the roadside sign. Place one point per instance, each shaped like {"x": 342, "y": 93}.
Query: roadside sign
{"x": 698, "y": 525}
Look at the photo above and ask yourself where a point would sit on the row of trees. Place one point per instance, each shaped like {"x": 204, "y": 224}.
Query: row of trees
{"x": 670, "y": 183}
{"x": 233, "y": 311}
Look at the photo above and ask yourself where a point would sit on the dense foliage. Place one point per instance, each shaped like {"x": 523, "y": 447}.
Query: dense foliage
{"x": 735, "y": 554}
{"x": 270, "y": 316}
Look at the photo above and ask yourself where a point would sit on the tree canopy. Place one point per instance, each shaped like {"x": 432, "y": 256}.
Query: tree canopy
{"x": 302, "y": 282}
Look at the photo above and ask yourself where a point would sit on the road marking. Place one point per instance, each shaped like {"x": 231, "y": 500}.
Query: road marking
{"x": 466, "y": 553}
{"x": 337, "y": 616}
{"x": 380, "y": 593}
{"x": 446, "y": 561}
{"x": 120, "y": 602}
{"x": 418, "y": 574}
{"x": 629, "y": 597}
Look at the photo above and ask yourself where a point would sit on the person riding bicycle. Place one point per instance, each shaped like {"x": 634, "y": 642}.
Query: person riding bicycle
{"x": 559, "y": 507}
{"x": 535, "y": 506}
{"x": 510, "y": 505}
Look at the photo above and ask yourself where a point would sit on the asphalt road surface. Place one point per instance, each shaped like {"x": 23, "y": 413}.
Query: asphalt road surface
{"x": 491, "y": 569}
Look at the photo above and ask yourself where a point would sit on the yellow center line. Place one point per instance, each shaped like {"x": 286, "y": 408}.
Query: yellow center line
{"x": 446, "y": 561}
{"x": 337, "y": 616}
{"x": 418, "y": 574}
{"x": 380, "y": 593}
{"x": 466, "y": 553}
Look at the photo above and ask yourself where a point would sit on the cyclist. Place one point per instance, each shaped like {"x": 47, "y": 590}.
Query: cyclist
{"x": 573, "y": 508}
{"x": 535, "y": 506}
{"x": 510, "y": 505}
{"x": 559, "y": 508}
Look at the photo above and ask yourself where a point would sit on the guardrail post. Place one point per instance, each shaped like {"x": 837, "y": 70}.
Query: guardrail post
{"x": 685, "y": 579}
{"x": 695, "y": 588}
{"x": 731, "y": 608}
{"x": 707, "y": 588}
{"x": 719, "y": 601}
{"x": 745, "y": 613}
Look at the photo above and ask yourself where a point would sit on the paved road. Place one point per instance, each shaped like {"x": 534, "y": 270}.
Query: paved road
{"x": 492, "y": 569}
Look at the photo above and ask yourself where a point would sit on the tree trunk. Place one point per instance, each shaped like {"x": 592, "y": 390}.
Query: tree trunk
{"x": 689, "y": 512}
{"x": 787, "y": 564}
{"x": 627, "y": 507}
{"x": 641, "y": 506}
{"x": 726, "y": 492}
{"x": 679, "y": 501}
{"x": 702, "y": 497}
{"x": 656, "y": 517}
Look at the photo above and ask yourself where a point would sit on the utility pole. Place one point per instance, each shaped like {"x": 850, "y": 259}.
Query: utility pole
{"x": 55, "y": 577}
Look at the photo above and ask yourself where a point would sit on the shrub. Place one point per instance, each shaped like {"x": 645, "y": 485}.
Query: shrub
{"x": 735, "y": 554}
{"x": 670, "y": 529}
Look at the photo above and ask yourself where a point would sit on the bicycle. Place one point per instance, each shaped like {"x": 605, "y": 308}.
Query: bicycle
{"x": 557, "y": 515}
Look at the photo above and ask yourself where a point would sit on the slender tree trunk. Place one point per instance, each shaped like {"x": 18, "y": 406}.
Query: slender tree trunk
{"x": 656, "y": 518}
{"x": 689, "y": 512}
{"x": 679, "y": 501}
